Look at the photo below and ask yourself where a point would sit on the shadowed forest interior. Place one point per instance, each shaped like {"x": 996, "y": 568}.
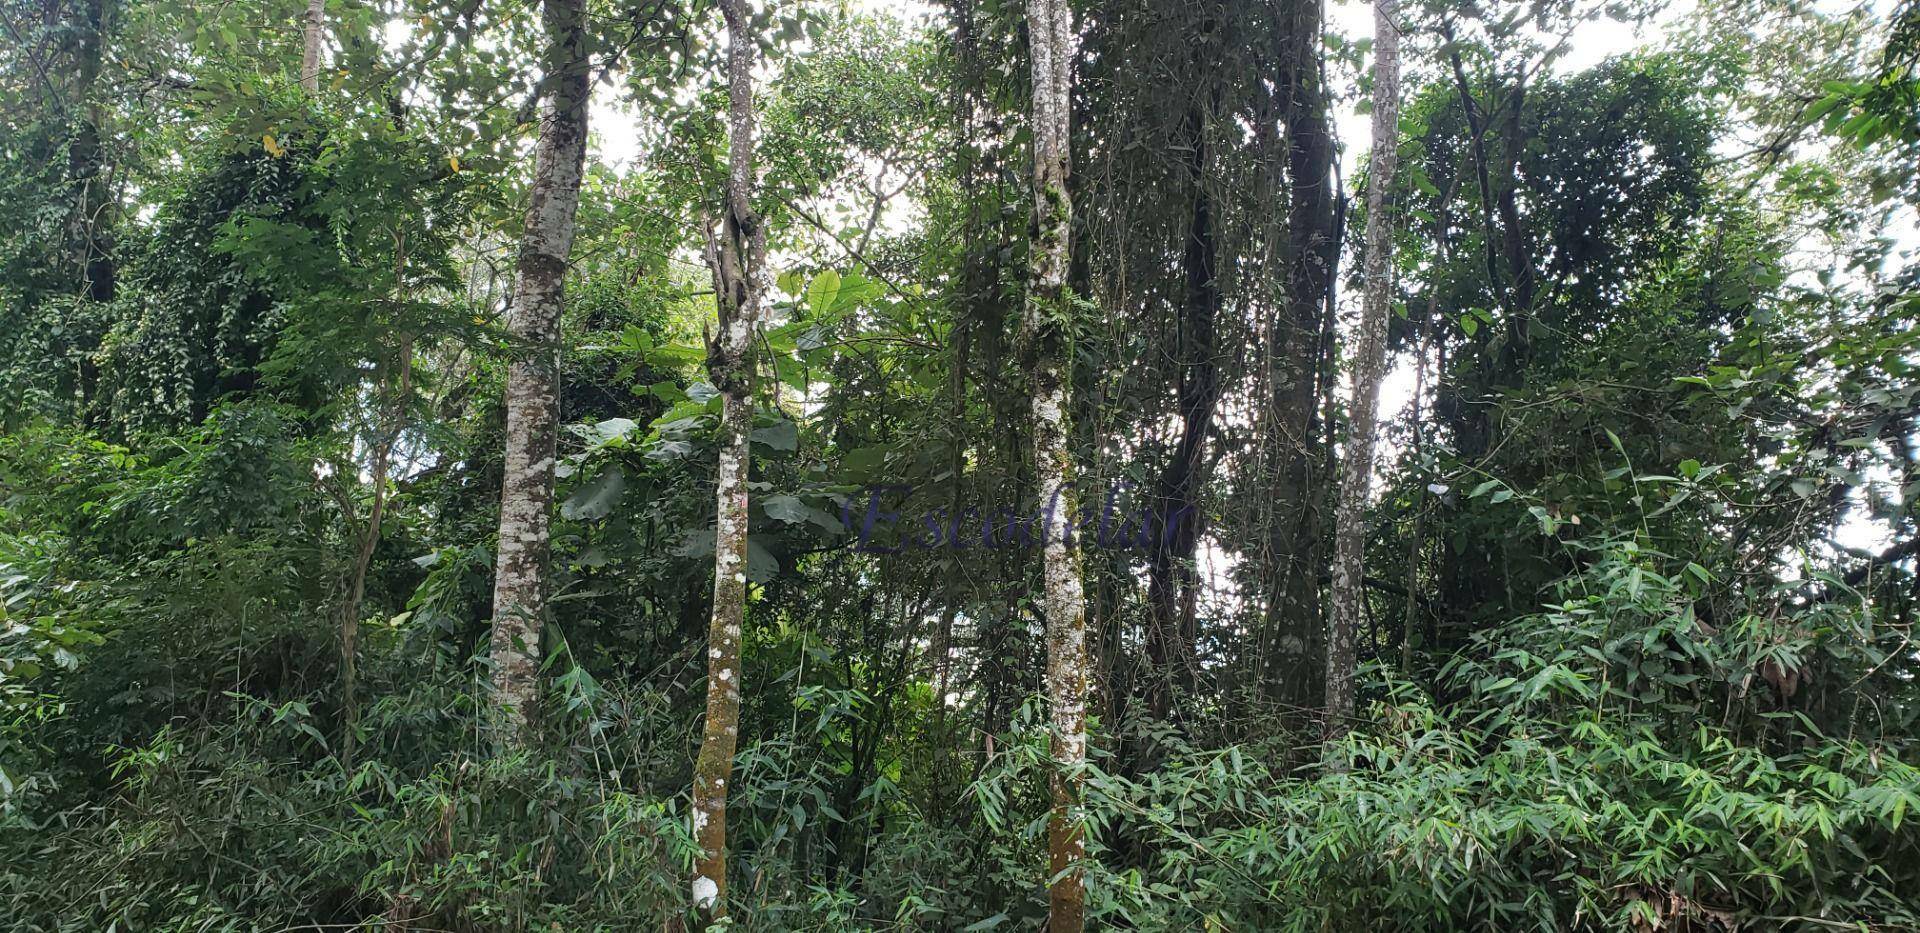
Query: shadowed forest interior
{"x": 964, "y": 465}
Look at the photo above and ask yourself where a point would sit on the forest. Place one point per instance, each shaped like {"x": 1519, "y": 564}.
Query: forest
{"x": 959, "y": 465}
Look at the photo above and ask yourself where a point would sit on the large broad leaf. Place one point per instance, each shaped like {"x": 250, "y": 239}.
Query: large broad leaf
{"x": 695, "y": 542}
{"x": 791, "y": 510}
{"x": 782, "y": 435}
{"x": 680, "y": 417}
{"x": 609, "y": 429}
{"x": 669, "y": 449}
{"x": 822, "y": 292}
{"x": 761, "y": 564}
{"x": 667, "y": 392}
{"x": 596, "y": 499}
{"x": 813, "y": 338}
{"x": 863, "y": 463}
{"x": 856, "y": 290}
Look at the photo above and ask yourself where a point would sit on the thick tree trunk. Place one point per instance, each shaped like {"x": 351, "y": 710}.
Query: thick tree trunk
{"x": 313, "y": 32}
{"x": 1295, "y": 621}
{"x": 1050, "y": 26}
{"x": 736, "y": 254}
{"x": 532, "y": 396}
{"x": 1369, "y": 361}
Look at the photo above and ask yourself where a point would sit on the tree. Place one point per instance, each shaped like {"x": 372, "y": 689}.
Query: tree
{"x": 1048, "y": 314}
{"x": 1298, "y": 371}
{"x": 1369, "y": 363}
{"x": 313, "y": 34}
{"x": 1626, "y": 553}
{"x": 736, "y": 254}
{"x": 532, "y": 393}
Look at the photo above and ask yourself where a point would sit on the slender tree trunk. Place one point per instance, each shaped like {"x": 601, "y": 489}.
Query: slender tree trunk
{"x": 1048, "y": 307}
{"x": 1369, "y": 361}
{"x": 1170, "y": 642}
{"x": 532, "y": 396}
{"x": 736, "y": 254}
{"x": 395, "y": 415}
{"x": 313, "y": 32}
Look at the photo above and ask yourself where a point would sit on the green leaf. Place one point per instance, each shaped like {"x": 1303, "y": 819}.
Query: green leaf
{"x": 1548, "y": 524}
{"x": 1422, "y": 182}
{"x": 596, "y": 499}
{"x": 822, "y": 291}
{"x": 781, "y": 435}
{"x": 790, "y": 509}
{"x": 861, "y": 464}
{"x": 761, "y": 564}
{"x": 609, "y": 430}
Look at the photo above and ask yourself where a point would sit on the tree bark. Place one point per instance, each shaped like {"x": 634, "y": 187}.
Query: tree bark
{"x": 313, "y": 32}
{"x": 1369, "y": 361}
{"x": 532, "y": 394}
{"x": 1048, "y": 308}
{"x": 736, "y": 254}
{"x": 1295, "y": 620}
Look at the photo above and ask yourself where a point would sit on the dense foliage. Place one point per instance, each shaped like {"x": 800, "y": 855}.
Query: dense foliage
{"x": 1641, "y": 570}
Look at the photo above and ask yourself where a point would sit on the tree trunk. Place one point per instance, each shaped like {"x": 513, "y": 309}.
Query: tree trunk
{"x": 394, "y": 415}
{"x": 1170, "y": 641}
{"x": 1369, "y": 360}
{"x": 1312, "y": 246}
{"x": 1048, "y": 307}
{"x": 532, "y": 395}
{"x": 736, "y": 254}
{"x": 313, "y": 32}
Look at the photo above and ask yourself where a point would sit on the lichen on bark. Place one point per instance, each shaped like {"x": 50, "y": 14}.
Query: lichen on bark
{"x": 1046, "y": 322}
{"x": 736, "y": 255}
{"x": 532, "y": 393}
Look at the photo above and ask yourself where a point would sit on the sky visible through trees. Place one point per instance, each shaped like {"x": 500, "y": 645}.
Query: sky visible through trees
{"x": 817, "y": 465}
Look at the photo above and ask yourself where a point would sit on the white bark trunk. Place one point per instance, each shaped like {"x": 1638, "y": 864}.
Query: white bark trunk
{"x": 1369, "y": 360}
{"x": 736, "y": 255}
{"x": 1048, "y": 306}
{"x": 313, "y": 32}
{"x": 532, "y": 394}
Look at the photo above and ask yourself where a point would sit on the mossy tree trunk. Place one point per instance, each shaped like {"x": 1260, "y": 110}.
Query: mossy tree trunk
{"x": 1049, "y": 309}
{"x": 736, "y": 254}
{"x": 532, "y": 394}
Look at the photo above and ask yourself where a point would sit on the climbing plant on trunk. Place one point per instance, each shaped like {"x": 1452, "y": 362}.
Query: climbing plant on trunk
{"x": 1049, "y": 308}
{"x": 736, "y": 254}
{"x": 532, "y": 395}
